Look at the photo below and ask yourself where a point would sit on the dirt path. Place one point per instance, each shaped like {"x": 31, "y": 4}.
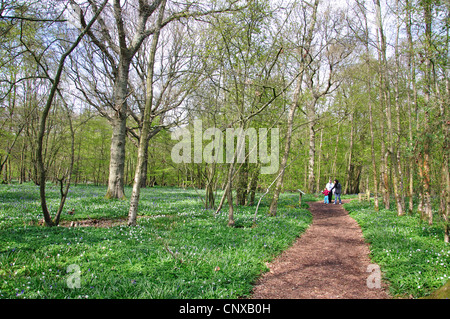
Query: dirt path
{"x": 329, "y": 261}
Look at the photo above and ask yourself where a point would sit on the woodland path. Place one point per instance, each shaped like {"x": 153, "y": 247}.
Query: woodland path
{"x": 329, "y": 261}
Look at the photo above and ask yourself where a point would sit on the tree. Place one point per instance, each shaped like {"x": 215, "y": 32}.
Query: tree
{"x": 412, "y": 101}
{"x": 303, "y": 49}
{"x": 143, "y": 142}
{"x": 329, "y": 51}
{"x": 387, "y": 102}
{"x": 242, "y": 66}
{"x": 42, "y": 125}
{"x": 364, "y": 35}
{"x": 117, "y": 54}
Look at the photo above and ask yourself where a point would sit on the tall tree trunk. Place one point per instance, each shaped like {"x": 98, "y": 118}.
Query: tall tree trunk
{"x": 304, "y": 53}
{"x": 210, "y": 186}
{"x": 443, "y": 101}
{"x": 252, "y": 185}
{"x": 372, "y": 152}
{"x": 387, "y": 98}
{"x": 446, "y": 132}
{"x": 336, "y": 144}
{"x": 318, "y": 188}
{"x": 411, "y": 100}
{"x": 397, "y": 155}
{"x": 445, "y": 179}
{"x": 287, "y": 147}
{"x": 349, "y": 166}
{"x": 118, "y": 139}
{"x": 369, "y": 102}
{"x": 144, "y": 168}
{"x": 22, "y": 177}
{"x": 242, "y": 182}
{"x": 354, "y": 178}
{"x": 311, "y": 115}
{"x": 419, "y": 163}
{"x": 229, "y": 192}
{"x": 43, "y": 127}
{"x": 143, "y": 141}
{"x": 383, "y": 99}
{"x": 427, "y": 89}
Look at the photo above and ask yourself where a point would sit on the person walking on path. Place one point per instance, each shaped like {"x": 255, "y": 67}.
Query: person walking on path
{"x": 337, "y": 191}
{"x": 329, "y": 187}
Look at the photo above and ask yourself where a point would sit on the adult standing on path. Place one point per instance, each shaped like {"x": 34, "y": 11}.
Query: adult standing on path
{"x": 329, "y": 187}
{"x": 337, "y": 191}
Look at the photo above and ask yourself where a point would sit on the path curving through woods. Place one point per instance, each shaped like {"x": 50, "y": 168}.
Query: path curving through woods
{"x": 329, "y": 261}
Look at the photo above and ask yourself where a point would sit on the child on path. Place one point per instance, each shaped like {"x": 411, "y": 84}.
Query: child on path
{"x": 325, "y": 192}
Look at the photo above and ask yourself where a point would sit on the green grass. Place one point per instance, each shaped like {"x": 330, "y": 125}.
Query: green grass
{"x": 177, "y": 250}
{"x": 412, "y": 255}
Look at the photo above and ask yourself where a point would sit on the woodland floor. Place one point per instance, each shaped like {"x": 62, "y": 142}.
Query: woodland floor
{"x": 329, "y": 261}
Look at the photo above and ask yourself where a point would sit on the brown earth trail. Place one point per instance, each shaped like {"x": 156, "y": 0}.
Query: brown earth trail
{"x": 329, "y": 261}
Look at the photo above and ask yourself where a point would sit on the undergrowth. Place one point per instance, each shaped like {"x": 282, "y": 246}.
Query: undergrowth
{"x": 177, "y": 250}
{"x": 412, "y": 254}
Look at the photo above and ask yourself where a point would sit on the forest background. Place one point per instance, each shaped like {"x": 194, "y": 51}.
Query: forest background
{"x": 91, "y": 92}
